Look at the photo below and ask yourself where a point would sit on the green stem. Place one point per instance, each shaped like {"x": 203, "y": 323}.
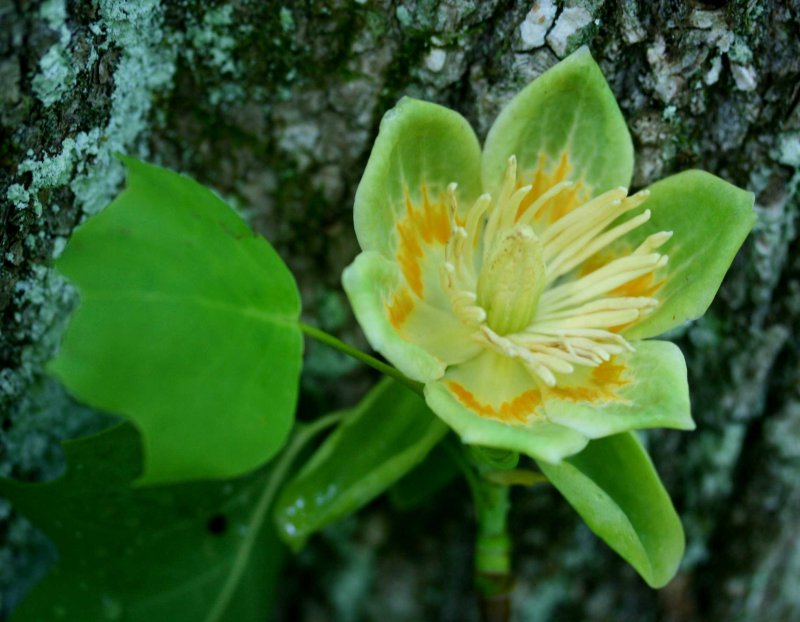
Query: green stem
{"x": 333, "y": 342}
{"x": 493, "y": 578}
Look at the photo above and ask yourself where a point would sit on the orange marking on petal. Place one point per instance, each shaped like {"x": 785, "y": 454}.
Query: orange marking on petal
{"x": 609, "y": 375}
{"x": 540, "y": 184}
{"x": 436, "y": 218}
{"x": 563, "y": 170}
{"x": 427, "y": 224}
{"x": 518, "y": 410}
{"x": 542, "y": 180}
{"x": 595, "y": 262}
{"x": 565, "y": 202}
{"x": 409, "y": 253}
{"x": 644, "y": 286}
{"x": 400, "y": 308}
{"x": 599, "y": 387}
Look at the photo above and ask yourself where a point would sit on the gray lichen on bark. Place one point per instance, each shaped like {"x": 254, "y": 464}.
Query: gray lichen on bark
{"x": 276, "y": 106}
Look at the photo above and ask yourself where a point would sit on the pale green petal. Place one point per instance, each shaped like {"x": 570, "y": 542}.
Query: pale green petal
{"x": 651, "y": 392}
{"x": 419, "y": 144}
{"x": 370, "y": 281}
{"x": 571, "y": 109}
{"x": 709, "y": 219}
{"x": 494, "y": 382}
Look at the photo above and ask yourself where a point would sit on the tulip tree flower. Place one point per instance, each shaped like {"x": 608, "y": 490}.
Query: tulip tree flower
{"x": 522, "y": 284}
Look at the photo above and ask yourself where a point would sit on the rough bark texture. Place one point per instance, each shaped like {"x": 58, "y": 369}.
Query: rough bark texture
{"x": 276, "y": 106}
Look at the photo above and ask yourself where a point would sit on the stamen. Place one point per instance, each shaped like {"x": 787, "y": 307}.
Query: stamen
{"x": 653, "y": 242}
{"x": 473, "y": 227}
{"x": 530, "y": 213}
{"x": 605, "y": 279}
{"x": 602, "y": 319}
{"x": 604, "y": 304}
{"x": 497, "y": 256}
{"x": 585, "y": 217}
{"x": 571, "y": 258}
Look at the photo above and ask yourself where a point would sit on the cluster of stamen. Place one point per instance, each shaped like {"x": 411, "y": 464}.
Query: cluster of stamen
{"x": 522, "y": 287}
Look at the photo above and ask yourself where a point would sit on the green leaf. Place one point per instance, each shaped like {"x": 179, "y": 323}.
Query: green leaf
{"x": 614, "y": 487}
{"x": 419, "y": 144}
{"x": 197, "y": 552}
{"x": 187, "y": 326}
{"x": 435, "y": 472}
{"x": 710, "y": 219}
{"x": 654, "y": 394}
{"x": 385, "y": 436}
{"x": 568, "y": 109}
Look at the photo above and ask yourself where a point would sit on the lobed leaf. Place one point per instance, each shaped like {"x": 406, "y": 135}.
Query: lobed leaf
{"x": 187, "y": 325}
{"x": 197, "y": 552}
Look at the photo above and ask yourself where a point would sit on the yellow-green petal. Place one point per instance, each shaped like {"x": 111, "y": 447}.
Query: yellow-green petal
{"x": 646, "y": 388}
{"x": 494, "y": 402}
{"x": 568, "y": 112}
{"x": 370, "y": 282}
{"x": 420, "y": 149}
{"x": 709, "y": 220}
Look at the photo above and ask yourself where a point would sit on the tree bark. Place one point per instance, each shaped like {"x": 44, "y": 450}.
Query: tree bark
{"x": 276, "y": 107}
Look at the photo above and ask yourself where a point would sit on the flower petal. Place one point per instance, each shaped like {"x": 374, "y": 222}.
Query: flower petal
{"x": 416, "y": 337}
{"x": 421, "y": 147}
{"x": 646, "y": 388}
{"x": 709, "y": 219}
{"x": 493, "y": 401}
{"x": 566, "y": 124}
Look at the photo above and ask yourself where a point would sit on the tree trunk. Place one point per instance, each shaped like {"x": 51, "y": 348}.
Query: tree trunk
{"x": 276, "y": 106}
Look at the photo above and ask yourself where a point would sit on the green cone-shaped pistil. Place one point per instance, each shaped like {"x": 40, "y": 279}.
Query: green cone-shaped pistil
{"x": 512, "y": 280}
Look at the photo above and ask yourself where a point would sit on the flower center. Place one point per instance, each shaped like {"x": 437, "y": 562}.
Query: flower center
{"x": 511, "y": 280}
{"x": 555, "y": 300}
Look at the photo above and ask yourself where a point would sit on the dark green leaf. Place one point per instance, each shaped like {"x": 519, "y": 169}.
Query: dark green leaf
{"x": 613, "y": 485}
{"x": 187, "y": 325}
{"x": 384, "y": 437}
{"x": 198, "y": 552}
{"x": 435, "y": 472}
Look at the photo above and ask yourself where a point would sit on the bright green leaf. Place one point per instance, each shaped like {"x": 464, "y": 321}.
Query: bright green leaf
{"x": 709, "y": 219}
{"x": 197, "y": 552}
{"x": 568, "y": 109}
{"x": 419, "y": 144}
{"x": 384, "y": 437}
{"x": 187, "y": 325}
{"x": 613, "y": 485}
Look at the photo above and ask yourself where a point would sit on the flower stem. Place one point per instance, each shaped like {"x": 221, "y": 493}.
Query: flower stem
{"x": 338, "y": 344}
{"x": 493, "y": 578}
